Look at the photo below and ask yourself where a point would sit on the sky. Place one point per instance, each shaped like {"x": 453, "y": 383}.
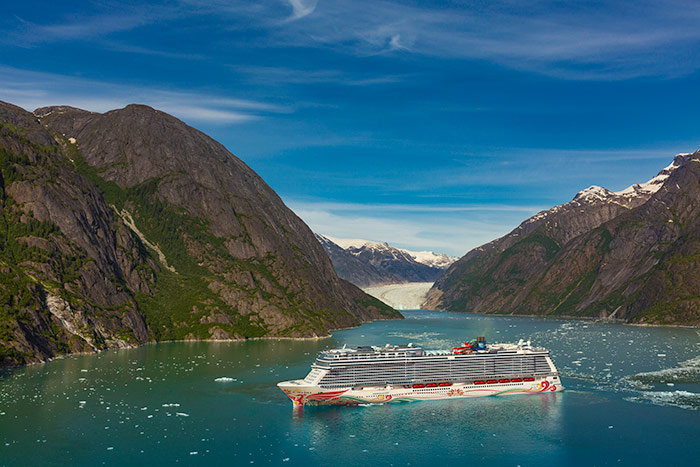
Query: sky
{"x": 429, "y": 125}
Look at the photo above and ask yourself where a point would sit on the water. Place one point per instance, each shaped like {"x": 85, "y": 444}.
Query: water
{"x": 632, "y": 398}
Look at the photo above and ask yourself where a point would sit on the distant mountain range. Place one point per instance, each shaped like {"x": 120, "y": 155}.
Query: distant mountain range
{"x": 632, "y": 255}
{"x": 366, "y": 263}
{"x": 128, "y": 227}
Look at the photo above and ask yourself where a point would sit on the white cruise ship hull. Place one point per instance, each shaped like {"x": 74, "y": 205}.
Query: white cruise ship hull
{"x": 302, "y": 393}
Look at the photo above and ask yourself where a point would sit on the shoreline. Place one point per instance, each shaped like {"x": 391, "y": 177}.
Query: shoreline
{"x": 330, "y": 334}
{"x": 230, "y": 340}
{"x": 568, "y": 317}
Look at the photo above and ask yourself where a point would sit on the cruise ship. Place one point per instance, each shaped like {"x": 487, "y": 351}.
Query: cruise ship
{"x": 395, "y": 373}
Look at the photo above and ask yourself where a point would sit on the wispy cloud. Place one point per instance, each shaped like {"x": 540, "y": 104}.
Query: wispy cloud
{"x": 608, "y": 40}
{"x": 416, "y": 208}
{"x": 95, "y": 21}
{"x": 33, "y": 89}
{"x": 302, "y": 8}
{"x": 284, "y": 75}
{"x": 413, "y": 227}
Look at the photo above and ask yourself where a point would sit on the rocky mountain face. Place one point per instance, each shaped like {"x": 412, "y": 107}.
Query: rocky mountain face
{"x": 632, "y": 255}
{"x": 366, "y": 263}
{"x": 130, "y": 226}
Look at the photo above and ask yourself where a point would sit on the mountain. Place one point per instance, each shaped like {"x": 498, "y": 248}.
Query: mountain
{"x": 633, "y": 255}
{"x": 366, "y": 263}
{"x": 128, "y": 227}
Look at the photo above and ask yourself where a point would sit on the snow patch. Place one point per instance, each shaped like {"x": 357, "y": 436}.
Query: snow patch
{"x": 593, "y": 193}
{"x": 429, "y": 258}
{"x": 346, "y": 243}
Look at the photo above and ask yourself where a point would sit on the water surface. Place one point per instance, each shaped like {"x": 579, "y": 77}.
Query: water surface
{"x": 631, "y": 399}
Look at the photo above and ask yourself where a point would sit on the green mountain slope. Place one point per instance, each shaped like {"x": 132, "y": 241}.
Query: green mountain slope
{"x": 634, "y": 258}
{"x": 130, "y": 227}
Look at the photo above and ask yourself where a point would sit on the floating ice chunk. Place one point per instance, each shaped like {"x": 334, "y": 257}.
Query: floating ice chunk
{"x": 682, "y": 399}
{"x": 193, "y": 453}
{"x": 182, "y": 414}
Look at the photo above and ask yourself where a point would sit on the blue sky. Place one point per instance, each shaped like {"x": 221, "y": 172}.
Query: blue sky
{"x": 430, "y": 125}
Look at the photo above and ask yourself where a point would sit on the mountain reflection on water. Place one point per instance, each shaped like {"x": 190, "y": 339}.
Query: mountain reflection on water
{"x": 631, "y": 398}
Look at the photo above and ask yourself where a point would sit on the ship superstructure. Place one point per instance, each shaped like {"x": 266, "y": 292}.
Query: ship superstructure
{"x": 394, "y": 373}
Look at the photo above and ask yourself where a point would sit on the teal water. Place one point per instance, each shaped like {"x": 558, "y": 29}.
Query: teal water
{"x": 632, "y": 398}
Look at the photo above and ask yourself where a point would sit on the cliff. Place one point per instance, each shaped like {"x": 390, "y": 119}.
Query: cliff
{"x": 632, "y": 255}
{"x": 130, "y": 226}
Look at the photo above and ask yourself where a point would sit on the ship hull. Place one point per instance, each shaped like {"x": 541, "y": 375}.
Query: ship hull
{"x": 305, "y": 394}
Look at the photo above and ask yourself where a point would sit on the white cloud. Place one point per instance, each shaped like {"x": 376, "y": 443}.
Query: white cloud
{"x": 453, "y": 230}
{"x": 30, "y": 90}
{"x": 577, "y": 41}
{"x": 601, "y": 41}
{"x": 264, "y": 75}
{"x": 302, "y": 8}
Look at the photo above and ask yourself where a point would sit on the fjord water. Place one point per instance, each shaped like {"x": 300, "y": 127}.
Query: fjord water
{"x": 631, "y": 398}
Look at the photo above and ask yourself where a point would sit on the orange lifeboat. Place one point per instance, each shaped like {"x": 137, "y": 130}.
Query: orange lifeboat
{"x": 431, "y": 385}
{"x": 418, "y": 386}
{"x": 445, "y": 384}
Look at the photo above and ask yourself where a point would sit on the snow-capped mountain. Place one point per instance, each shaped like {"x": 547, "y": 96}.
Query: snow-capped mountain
{"x": 629, "y": 255}
{"x": 429, "y": 258}
{"x": 366, "y": 263}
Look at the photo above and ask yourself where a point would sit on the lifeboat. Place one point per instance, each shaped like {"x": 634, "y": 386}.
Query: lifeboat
{"x": 528, "y": 379}
{"x": 418, "y": 386}
{"x": 504, "y": 381}
{"x": 516, "y": 380}
{"x": 492, "y": 381}
{"x": 431, "y": 385}
{"x": 445, "y": 384}
{"x": 479, "y": 382}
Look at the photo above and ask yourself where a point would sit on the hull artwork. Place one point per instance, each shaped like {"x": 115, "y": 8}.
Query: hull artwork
{"x": 378, "y": 375}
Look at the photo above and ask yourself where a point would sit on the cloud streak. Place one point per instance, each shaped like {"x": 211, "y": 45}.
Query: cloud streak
{"x": 608, "y": 40}
{"x": 301, "y": 8}
{"x": 410, "y": 227}
{"x": 575, "y": 41}
{"x": 31, "y": 90}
